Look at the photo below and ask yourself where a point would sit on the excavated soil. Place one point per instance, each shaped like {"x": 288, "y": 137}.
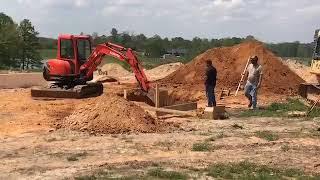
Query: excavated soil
{"x": 187, "y": 81}
{"x": 302, "y": 70}
{"x": 116, "y": 70}
{"x": 110, "y": 114}
{"x": 162, "y": 71}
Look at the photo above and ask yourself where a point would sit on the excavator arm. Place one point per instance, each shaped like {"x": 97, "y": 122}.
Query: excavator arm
{"x": 122, "y": 54}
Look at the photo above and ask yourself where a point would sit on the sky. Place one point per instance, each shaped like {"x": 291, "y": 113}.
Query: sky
{"x": 267, "y": 20}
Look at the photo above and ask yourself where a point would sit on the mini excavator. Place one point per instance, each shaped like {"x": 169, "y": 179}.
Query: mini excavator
{"x": 73, "y": 68}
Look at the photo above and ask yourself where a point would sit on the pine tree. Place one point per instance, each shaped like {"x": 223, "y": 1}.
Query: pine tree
{"x": 28, "y": 45}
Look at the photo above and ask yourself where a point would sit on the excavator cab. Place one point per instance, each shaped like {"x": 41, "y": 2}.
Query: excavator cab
{"x": 74, "y": 52}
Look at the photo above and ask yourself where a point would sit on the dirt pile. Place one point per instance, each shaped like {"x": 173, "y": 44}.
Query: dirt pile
{"x": 115, "y": 70}
{"x": 110, "y": 114}
{"x": 301, "y": 70}
{"x": 230, "y": 62}
{"x": 162, "y": 71}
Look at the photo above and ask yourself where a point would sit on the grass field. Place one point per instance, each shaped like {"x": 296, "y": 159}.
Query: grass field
{"x": 48, "y": 53}
{"x": 281, "y": 110}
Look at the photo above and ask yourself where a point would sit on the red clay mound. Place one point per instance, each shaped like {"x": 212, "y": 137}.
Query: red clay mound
{"x": 110, "y": 114}
{"x": 230, "y": 62}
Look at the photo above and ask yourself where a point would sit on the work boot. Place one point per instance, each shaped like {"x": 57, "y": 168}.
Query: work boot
{"x": 250, "y": 102}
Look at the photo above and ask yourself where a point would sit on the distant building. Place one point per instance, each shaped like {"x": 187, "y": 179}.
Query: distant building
{"x": 176, "y": 52}
{"x": 168, "y": 56}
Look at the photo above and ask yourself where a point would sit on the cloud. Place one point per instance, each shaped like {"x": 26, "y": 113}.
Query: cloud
{"x": 272, "y": 20}
{"x": 54, "y": 3}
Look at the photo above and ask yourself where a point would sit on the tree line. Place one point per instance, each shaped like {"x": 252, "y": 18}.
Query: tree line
{"x": 293, "y": 49}
{"x": 20, "y": 44}
{"x": 157, "y": 46}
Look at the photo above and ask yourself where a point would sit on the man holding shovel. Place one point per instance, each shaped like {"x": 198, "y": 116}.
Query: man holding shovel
{"x": 254, "y": 79}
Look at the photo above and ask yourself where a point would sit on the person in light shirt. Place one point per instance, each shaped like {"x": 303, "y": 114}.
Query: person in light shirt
{"x": 254, "y": 79}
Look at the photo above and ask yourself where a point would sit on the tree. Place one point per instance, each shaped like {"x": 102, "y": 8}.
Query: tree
{"x": 250, "y": 38}
{"x": 28, "y": 45}
{"x": 8, "y": 41}
{"x": 114, "y": 34}
{"x": 155, "y": 47}
{"x": 94, "y": 37}
{"x": 125, "y": 39}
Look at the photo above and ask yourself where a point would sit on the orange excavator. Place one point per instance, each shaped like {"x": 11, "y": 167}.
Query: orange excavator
{"x": 73, "y": 68}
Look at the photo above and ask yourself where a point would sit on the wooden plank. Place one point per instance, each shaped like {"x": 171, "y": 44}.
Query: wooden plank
{"x": 170, "y": 111}
{"x": 183, "y": 107}
{"x": 217, "y": 112}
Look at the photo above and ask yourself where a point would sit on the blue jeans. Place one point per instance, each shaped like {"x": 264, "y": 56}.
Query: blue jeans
{"x": 210, "y": 96}
{"x": 250, "y": 91}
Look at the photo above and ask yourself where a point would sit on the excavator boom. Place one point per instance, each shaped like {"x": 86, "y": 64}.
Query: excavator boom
{"x": 119, "y": 52}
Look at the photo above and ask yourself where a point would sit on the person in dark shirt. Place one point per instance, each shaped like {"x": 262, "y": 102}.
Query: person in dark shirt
{"x": 210, "y": 83}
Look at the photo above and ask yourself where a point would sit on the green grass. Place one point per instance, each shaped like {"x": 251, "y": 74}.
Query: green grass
{"x": 106, "y": 175}
{"x": 48, "y": 53}
{"x": 246, "y": 170}
{"x": 281, "y": 110}
{"x": 267, "y": 135}
{"x": 161, "y": 174}
{"x": 216, "y": 137}
{"x": 201, "y": 147}
{"x": 238, "y": 170}
{"x": 148, "y": 63}
{"x": 285, "y": 148}
{"x": 165, "y": 144}
{"x": 155, "y": 173}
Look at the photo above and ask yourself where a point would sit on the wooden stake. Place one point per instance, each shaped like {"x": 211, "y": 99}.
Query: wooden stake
{"x": 157, "y": 96}
{"x": 313, "y": 106}
{"x": 125, "y": 94}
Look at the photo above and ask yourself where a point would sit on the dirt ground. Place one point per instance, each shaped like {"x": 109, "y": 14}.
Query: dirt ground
{"x": 32, "y": 149}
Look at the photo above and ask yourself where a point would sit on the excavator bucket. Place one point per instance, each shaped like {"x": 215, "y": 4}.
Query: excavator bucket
{"x": 77, "y": 92}
{"x": 311, "y": 92}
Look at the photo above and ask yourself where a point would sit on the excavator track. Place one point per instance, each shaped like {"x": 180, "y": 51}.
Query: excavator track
{"x": 77, "y": 92}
